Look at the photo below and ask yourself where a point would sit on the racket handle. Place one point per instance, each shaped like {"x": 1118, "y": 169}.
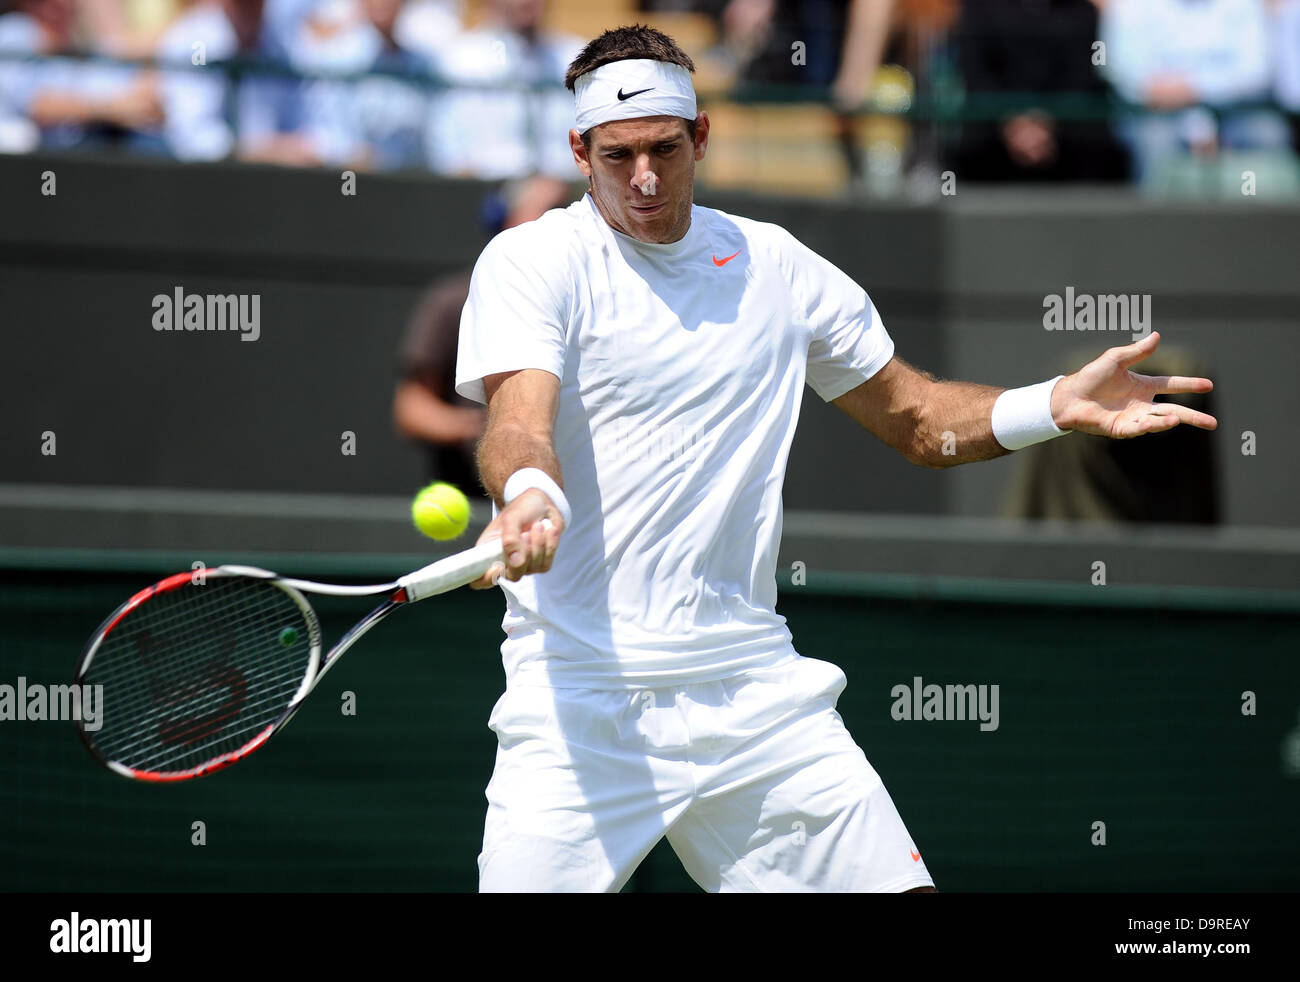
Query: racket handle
{"x": 454, "y": 571}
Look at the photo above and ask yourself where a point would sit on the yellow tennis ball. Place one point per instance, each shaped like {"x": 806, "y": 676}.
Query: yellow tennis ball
{"x": 440, "y": 511}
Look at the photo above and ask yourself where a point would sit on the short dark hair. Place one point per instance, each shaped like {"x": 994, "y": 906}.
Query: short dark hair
{"x": 622, "y": 43}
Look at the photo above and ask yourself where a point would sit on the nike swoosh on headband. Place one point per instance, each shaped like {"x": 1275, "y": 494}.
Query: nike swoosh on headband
{"x": 622, "y": 97}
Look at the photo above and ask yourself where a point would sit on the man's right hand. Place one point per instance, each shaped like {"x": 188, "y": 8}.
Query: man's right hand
{"x": 529, "y": 547}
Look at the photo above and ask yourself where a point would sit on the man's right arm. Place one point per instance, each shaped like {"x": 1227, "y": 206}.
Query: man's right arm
{"x": 521, "y": 419}
{"x": 511, "y": 356}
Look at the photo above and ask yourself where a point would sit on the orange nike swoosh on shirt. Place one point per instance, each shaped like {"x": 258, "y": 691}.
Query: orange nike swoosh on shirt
{"x": 723, "y": 262}
{"x": 916, "y": 856}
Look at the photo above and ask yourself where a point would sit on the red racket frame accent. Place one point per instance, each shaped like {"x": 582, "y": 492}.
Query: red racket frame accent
{"x": 162, "y": 586}
{"x": 219, "y": 764}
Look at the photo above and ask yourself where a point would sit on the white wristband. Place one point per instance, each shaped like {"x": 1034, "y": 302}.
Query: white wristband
{"x": 1022, "y": 417}
{"x": 533, "y": 477}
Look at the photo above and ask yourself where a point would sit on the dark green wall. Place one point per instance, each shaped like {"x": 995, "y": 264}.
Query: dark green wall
{"x": 1127, "y": 716}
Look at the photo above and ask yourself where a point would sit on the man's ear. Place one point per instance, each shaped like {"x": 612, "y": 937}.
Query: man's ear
{"x": 701, "y": 134}
{"x": 580, "y": 153}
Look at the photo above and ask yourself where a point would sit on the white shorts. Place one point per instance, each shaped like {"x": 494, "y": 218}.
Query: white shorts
{"x": 754, "y": 779}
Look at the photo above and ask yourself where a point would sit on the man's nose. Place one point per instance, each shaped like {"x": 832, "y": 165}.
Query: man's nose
{"x": 641, "y": 170}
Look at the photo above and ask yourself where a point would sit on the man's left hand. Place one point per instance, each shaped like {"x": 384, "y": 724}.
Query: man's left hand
{"x": 1106, "y": 399}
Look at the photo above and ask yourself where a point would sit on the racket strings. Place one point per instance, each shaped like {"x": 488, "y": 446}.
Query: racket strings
{"x": 185, "y": 658}
{"x": 181, "y": 734}
{"x": 194, "y": 673}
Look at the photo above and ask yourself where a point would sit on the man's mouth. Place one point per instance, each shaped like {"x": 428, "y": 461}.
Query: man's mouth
{"x": 648, "y": 209}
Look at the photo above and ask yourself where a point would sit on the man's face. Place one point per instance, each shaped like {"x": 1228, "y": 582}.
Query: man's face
{"x": 631, "y": 157}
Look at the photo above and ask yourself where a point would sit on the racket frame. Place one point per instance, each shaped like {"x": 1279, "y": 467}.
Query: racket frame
{"x": 179, "y": 581}
{"x": 437, "y": 577}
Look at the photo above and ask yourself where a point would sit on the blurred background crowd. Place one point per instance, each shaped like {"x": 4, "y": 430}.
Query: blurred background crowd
{"x": 813, "y": 96}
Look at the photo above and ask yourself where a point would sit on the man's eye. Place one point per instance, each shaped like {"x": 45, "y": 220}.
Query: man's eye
{"x": 667, "y": 147}
{"x": 615, "y": 155}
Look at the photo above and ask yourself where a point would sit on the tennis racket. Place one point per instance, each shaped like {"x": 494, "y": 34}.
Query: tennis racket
{"x": 204, "y": 667}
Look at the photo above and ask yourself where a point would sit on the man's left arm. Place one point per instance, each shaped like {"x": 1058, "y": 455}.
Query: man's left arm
{"x": 936, "y": 423}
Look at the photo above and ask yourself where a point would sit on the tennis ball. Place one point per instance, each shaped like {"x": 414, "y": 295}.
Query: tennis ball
{"x": 440, "y": 511}
{"x": 288, "y": 636}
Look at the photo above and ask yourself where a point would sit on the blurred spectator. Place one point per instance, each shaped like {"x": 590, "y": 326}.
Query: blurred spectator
{"x": 839, "y": 46}
{"x": 375, "y": 122}
{"x": 426, "y": 408}
{"x": 60, "y": 103}
{"x": 1181, "y": 56}
{"x": 427, "y": 27}
{"x": 505, "y": 133}
{"x": 842, "y": 43}
{"x": 1033, "y": 46}
{"x": 257, "y": 115}
{"x": 128, "y": 28}
{"x": 835, "y": 44}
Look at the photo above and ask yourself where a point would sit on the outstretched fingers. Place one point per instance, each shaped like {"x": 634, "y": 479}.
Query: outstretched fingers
{"x": 1131, "y": 354}
{"x": 1200, "y": 420}
{"x": 1162, "y": 416}
{"x": 1177, "y": 384}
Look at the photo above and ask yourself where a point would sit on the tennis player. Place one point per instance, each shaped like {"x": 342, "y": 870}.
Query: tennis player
{"x": 643, "y": 360}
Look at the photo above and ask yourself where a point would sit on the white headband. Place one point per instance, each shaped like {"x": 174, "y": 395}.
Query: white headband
{"x": 633, "y": 88}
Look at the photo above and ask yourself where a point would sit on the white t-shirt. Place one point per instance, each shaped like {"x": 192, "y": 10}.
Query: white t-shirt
{"x": 682, "y": 368}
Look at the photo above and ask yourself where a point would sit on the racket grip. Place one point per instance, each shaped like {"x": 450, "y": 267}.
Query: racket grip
{"x": 454, "y": 571}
